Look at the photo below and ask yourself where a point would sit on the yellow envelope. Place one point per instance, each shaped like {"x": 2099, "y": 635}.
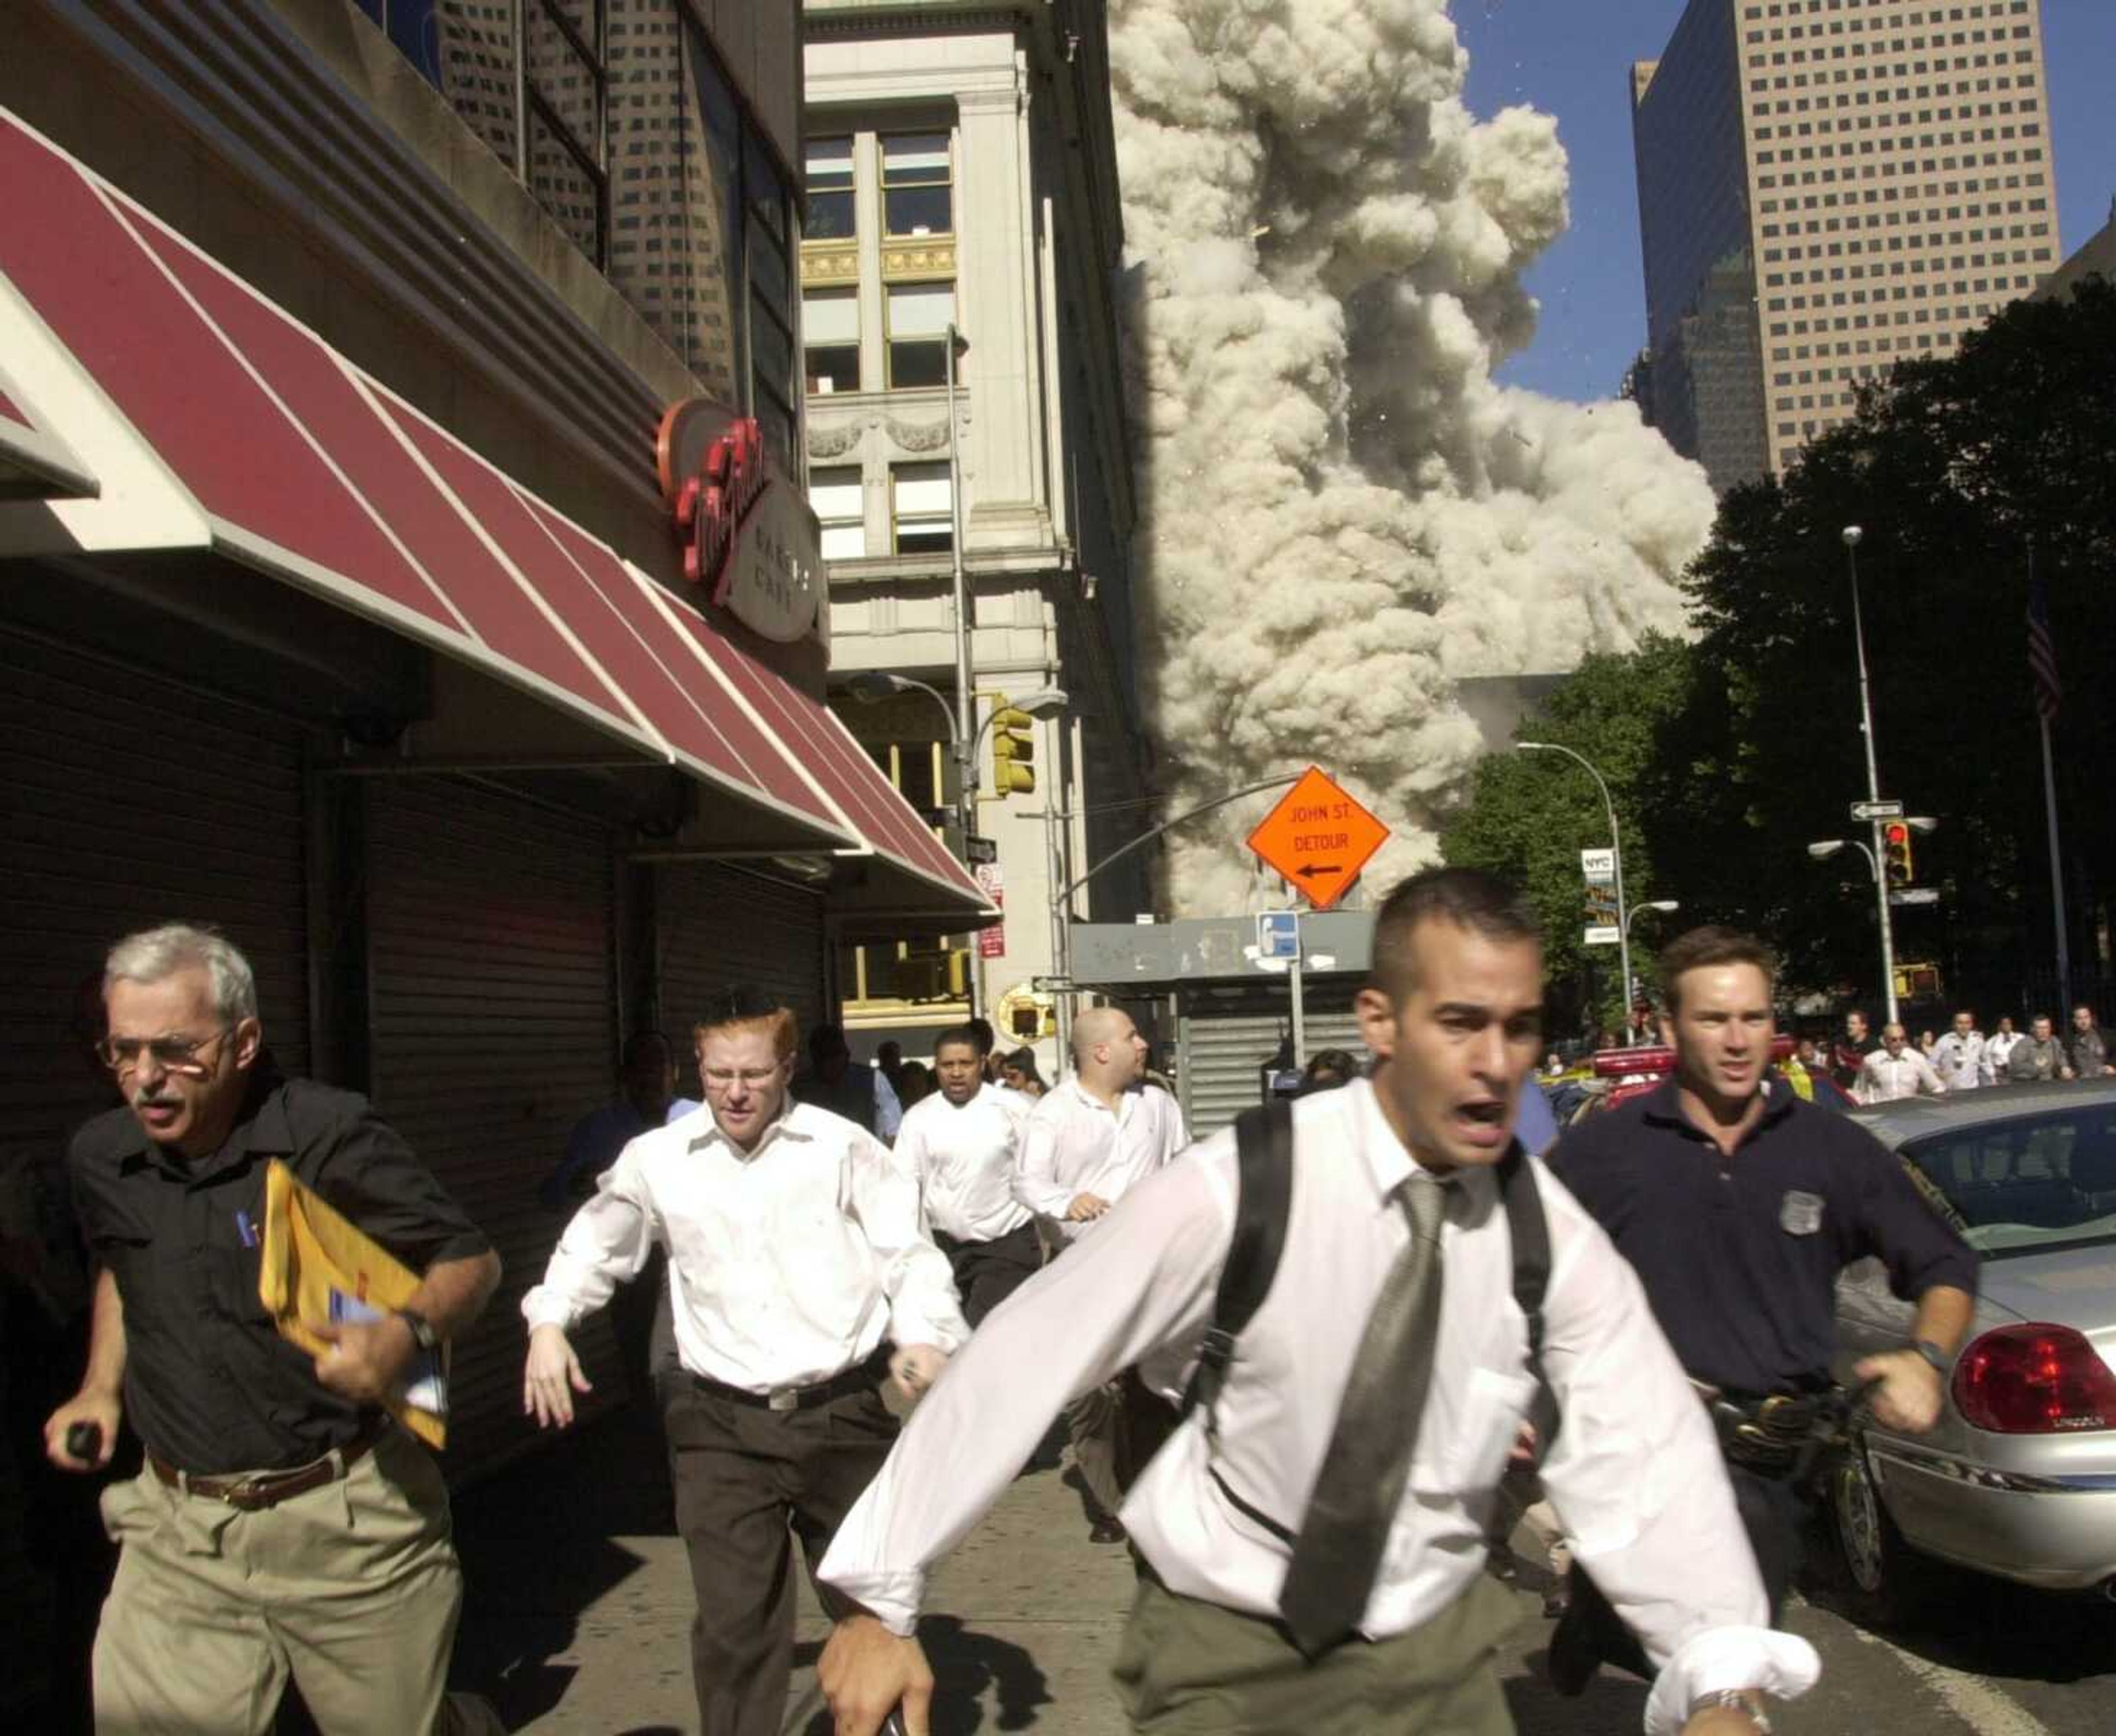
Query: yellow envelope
{"x": 318, "y": 1267}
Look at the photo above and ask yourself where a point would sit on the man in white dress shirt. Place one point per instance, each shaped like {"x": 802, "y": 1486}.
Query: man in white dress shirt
{"x": 1090, "y": 1140}
{"x": 1959, "y": 1057}
{"x": 959, "y": 1146}
{"x": 1896, "y": 1070}
{"x": 1453, "y": 1013}
{"x": 795, "y": 1259}
{"x": 1998, "y": 1051}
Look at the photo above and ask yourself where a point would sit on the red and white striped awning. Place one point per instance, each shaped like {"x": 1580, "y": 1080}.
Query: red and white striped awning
{"x": 161, "y": 403}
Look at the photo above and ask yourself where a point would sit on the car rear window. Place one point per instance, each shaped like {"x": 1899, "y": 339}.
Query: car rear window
{"x": 2021, "y": 1186}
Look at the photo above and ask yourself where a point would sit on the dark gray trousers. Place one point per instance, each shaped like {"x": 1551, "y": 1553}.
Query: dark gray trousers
{"x": 747, "y": 1481}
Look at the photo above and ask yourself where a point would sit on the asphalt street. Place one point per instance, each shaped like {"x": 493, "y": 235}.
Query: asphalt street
{"x": 579, "y": 1610}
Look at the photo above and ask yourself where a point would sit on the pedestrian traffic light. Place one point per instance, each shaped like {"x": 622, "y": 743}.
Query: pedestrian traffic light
{"x": 1014, "y": 747}
{"x": 1896, "y": 853}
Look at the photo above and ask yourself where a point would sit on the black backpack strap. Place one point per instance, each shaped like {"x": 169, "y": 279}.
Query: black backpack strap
{"x": 1530, "y": 1233}
{"x": 1263, "y": 1148}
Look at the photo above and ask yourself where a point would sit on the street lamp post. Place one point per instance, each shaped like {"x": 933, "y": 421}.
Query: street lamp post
{"x": 870, "y": 685}
{"x": 966, "y": 703}
{"x": 1851, "y": 534}
{"x": 1617, "y": 860}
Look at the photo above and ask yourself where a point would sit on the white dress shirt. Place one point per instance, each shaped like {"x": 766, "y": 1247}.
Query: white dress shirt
{"x": 1961, "y": 1061}
{"x": 1635, "y": 1475}
{"x": 1884, "y": 1078}
{"x": 787, "y": 1264}
{"x": 1998, "y": 1051}
{"x": 1074, "y": 1143}
{"x": 962, "y": 1156}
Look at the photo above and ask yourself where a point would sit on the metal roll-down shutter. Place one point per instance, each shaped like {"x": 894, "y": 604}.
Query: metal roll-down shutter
{"x": 494, "y": 1029}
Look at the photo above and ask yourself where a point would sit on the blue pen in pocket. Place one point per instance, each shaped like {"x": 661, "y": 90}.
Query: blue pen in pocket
{"x": 246, "y": 1229}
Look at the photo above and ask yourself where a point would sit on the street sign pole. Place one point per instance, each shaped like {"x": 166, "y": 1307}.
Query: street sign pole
{"x": 1295, "y": 968}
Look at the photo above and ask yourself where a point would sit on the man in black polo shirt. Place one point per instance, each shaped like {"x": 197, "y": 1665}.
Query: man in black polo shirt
{"x": 1738, "y": 1204}
{"x": 282, "y": 1523}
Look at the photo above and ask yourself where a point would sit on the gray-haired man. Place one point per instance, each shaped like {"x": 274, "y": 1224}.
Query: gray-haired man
{"x": 242, "y": 1559}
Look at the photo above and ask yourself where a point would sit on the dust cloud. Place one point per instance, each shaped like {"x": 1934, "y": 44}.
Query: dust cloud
{"x": 1343, "y": 515}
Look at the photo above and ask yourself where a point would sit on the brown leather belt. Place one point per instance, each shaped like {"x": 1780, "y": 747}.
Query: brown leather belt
{"x": 263, "y": 1489}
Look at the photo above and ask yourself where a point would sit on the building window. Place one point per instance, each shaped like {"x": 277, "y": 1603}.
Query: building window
{"x": 918, "y": 317}
{"x": 916, "y": 198}
{"x": 750, "y": 274}
{"x": 840, "y": 500}
{"x": 830, "y": 340}
{"x": 921, "y": 509}
{"x": 830, "y": 216}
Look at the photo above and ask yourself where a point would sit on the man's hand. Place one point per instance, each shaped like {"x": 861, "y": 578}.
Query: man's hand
{"x": 1085, "y": 1208}
{"x": 365, "y": 1360}
{"x": 102, "y": 1409}
{"x": 866, "y": 1672}
{"x": 551, "y": 1377}
{"x": 1720, "y": 1720}
{"x": 913, "y": 1369}
{"x": 1911, "y": 1393}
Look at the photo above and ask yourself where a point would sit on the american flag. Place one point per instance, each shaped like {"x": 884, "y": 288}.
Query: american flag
{"x": 2042, "y": 654}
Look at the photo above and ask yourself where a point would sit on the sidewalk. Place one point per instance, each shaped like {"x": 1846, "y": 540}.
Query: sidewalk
{"x": 577, "y": 1619}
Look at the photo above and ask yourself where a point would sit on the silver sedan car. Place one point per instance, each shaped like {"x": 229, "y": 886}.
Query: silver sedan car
{"x": 2019, "y": 1478}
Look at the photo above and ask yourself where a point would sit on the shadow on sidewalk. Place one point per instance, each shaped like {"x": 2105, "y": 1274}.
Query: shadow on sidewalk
{"x": 967, "y": 1665}
{"x": 537, "y": 1544}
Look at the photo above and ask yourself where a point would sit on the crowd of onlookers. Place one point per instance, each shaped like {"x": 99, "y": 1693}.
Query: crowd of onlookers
{"x": 1964, "y": 1058}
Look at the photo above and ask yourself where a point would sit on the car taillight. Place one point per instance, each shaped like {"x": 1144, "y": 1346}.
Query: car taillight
{"x": 2034, "y": 1379}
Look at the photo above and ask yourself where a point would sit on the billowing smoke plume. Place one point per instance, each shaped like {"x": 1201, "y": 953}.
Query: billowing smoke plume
{"x": 1343, "y": 515}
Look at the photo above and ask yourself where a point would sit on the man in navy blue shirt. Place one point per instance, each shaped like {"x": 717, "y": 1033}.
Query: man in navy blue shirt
{"x": 1738, "y": 1204}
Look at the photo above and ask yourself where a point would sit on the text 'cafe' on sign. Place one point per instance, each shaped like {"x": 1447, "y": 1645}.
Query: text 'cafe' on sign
{"x": 1317, "y": 839}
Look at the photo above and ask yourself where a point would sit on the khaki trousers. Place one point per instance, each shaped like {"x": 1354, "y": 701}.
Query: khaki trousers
{"x": 353, "y": 1589}
{"x": 1187, "y": 1668}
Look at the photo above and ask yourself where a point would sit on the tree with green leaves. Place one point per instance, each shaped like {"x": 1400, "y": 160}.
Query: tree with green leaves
{"x": 1728, "y": 756}
{"x": 1530, "y": 815}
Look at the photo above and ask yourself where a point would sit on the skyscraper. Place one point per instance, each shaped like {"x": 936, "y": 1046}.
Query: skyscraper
{"x": 1827, "y": 187}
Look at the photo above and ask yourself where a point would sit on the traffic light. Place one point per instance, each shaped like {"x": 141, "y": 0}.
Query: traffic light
{"x": 1014, "y": 750}
{"x": 1896, "y": 853}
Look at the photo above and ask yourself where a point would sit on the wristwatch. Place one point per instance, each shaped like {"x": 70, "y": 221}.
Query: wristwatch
{"x": 1746, "y": 1700}
{"x": 423, "y": 1334}
{"x": 1933, "y": 1354}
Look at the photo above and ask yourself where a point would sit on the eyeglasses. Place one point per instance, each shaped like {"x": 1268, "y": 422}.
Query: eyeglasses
{"x": 184, "y": 1055}
{"x": 724, "y": 1078}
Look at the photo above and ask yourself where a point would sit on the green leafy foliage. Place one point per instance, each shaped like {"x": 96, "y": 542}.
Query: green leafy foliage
{"x": 1729, "y": 755}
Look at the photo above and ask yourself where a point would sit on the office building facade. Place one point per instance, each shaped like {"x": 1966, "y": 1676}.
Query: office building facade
{"x": 961, "y": 172}
{"x": 1827, "y": 187}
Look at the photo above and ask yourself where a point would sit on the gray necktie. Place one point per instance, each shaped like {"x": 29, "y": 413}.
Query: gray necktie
{"x": 1347, "y": 1525}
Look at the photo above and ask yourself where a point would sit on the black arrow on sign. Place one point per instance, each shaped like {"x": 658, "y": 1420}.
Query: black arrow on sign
{"x": 1310, "y": 871}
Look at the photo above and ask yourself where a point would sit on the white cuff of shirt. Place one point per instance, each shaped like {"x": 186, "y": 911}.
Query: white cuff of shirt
{"x": 1723, "y": 1660}
{"x": 541, "y": 1307}
{"x": 892, "y": 1599}
{"x": 907, "y": 1326}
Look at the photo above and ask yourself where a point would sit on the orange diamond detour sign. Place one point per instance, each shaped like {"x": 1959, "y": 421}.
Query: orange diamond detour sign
{"x": 1319, "y": 839}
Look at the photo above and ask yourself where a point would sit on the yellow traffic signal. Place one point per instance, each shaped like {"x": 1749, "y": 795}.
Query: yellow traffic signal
{"x": 1014, "y": 750}
{"x": 1896, "y": 853}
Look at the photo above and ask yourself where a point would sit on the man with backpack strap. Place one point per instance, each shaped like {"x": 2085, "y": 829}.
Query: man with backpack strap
{"x": 1311, "y": 1537}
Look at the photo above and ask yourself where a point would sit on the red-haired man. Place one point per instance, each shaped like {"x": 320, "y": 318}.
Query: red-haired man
{"x": 799, "y": 1280}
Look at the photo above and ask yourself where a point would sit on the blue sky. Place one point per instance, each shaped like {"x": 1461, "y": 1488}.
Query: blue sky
{"x": 1572, "y": 58}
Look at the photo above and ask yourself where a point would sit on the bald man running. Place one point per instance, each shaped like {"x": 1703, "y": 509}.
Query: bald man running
{"x": 1089, "y": 1139}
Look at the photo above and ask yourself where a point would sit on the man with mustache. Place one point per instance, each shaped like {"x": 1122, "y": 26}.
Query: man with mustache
{"x": 283, "y": 1523}
{"x": 1311, "y": 1541}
